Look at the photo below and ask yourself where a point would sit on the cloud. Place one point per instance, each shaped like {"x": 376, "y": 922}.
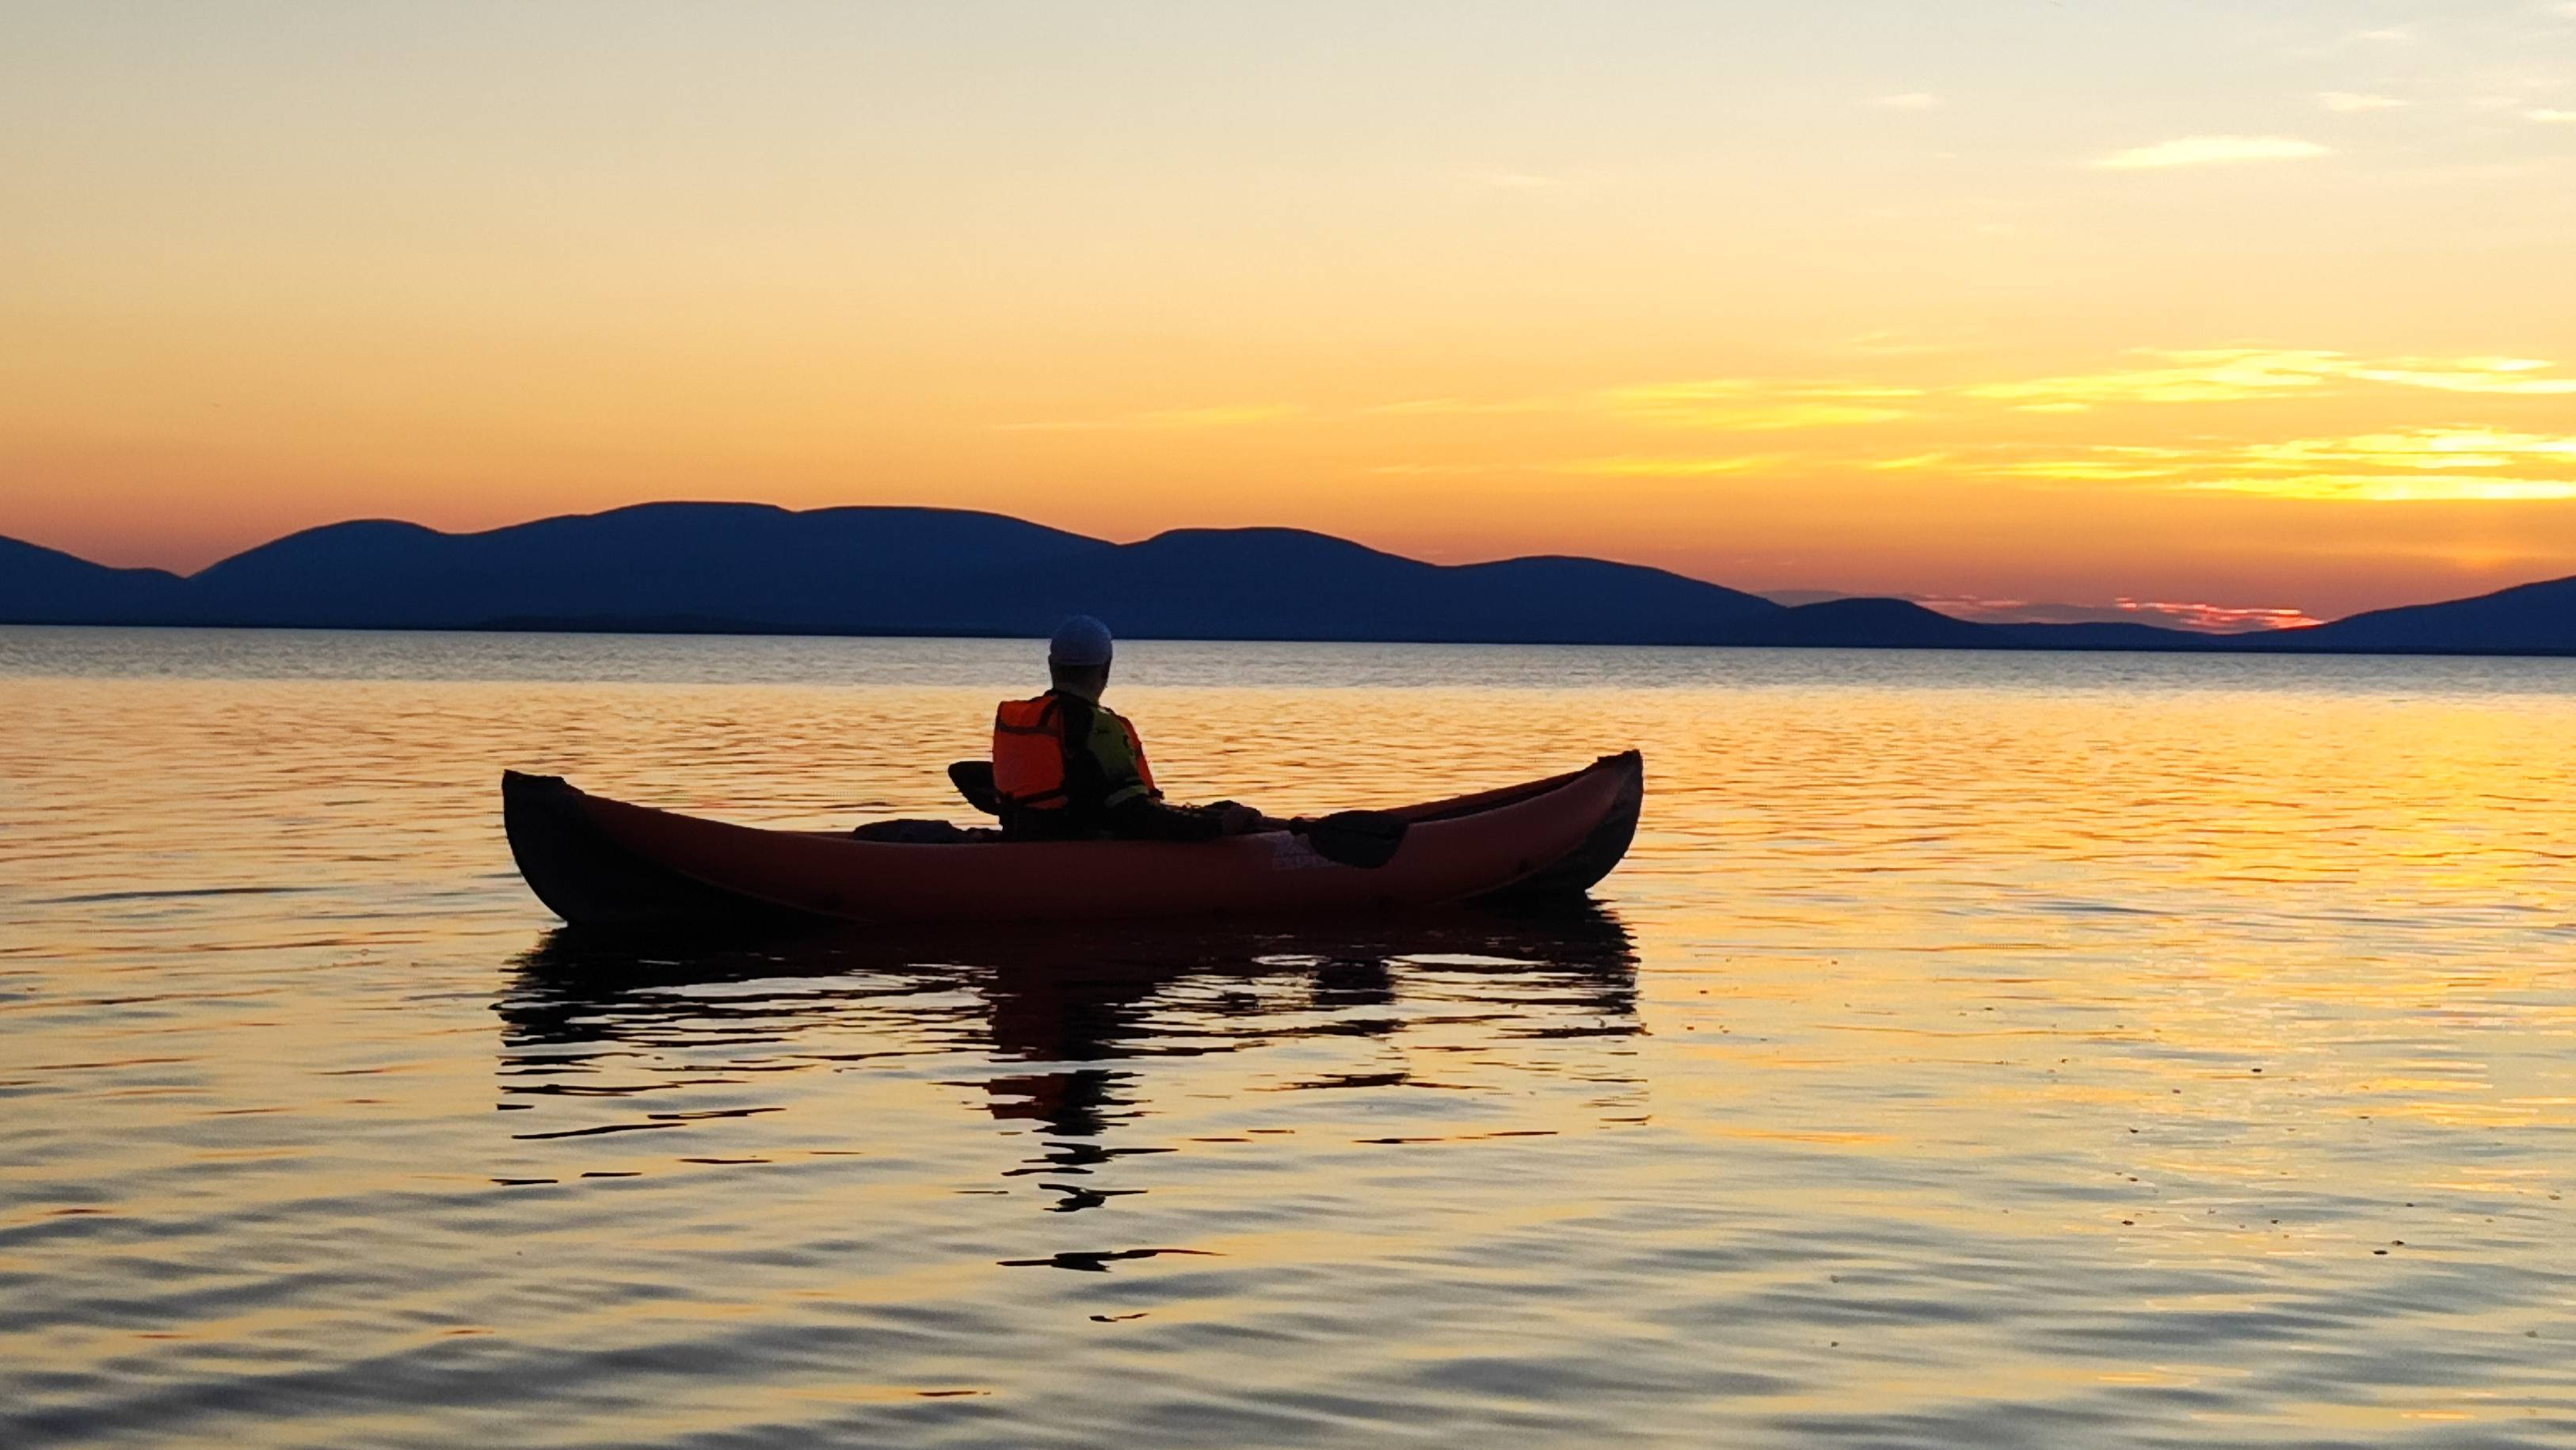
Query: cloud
{"x": 2237, "y": 374}
{"x": 1818, "y": 423}
{"x": 2348, "y": 101}
{"x": 2547, "y": 116}
{"x": 1618, "y": 465}
{"x": 2446, "y": 465}
{"x": 2508, "y": 376}
{"x": 2388, "y": 35}
{"x": 2086, "y": 470}
{"x": 1443, "y": 407}
{"x": 2209, "y": 376}
{"x": 2423, "y": 449}
{"x": 2210, "y": 151}
{"x": 2193, "y": 615}
{"x": 1633, "y": 466}
{"x": 1739, "y": 405}
{"x": 1781, "y": 417}
{"x": 1910, "y": 101}
{"x": 2220, "y": 618}
{"x": 1735, "y": 404}
{"x": 1236, "y": 416}
{"x": 2386, "y": 488}
{"x": 1439, "y": 470}
{"x": 1702, "y": 389}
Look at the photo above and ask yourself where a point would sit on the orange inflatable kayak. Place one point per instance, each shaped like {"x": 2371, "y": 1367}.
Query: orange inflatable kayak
{"x": 600, "y": 862}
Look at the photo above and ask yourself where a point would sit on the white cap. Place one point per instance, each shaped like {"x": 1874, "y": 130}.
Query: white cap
{"x": 1081, "y": 640}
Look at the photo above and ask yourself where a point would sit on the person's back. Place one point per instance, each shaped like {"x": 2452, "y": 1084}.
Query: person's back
{"x": 1068, "y": 767}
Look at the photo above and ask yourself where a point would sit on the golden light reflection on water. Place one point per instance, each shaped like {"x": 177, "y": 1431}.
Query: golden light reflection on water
{"x": 2038, "y": 1048}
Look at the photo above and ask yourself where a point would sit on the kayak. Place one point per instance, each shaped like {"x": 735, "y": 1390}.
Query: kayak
{"x": 600, "y": 862}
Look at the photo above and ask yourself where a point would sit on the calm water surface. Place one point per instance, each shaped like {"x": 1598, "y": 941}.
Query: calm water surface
{"x": 1975, "y": 1050}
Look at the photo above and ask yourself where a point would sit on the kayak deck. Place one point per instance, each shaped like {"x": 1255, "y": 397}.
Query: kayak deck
{"x": 601, "y": 862}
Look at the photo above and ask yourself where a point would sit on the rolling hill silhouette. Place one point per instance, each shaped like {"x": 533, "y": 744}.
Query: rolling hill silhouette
{"x": 754, "y": 568}
{"x": 46, "y": 586}
{"x": 2528, "y": 619}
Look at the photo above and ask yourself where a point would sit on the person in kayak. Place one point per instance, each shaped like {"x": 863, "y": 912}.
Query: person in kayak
{"x": 1070, "y": 768}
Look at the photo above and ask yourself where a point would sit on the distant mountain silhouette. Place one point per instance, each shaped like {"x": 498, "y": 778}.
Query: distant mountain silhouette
{"x": 46, "y": 586}
{"x": 1291, "y": 584}
{"x": 2529, "y": 619}
{"x": 753, "y": 568}
{"x": 830, "y": 569}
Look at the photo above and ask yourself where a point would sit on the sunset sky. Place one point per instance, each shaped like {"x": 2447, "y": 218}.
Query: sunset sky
{"x": 2254, "y": 306}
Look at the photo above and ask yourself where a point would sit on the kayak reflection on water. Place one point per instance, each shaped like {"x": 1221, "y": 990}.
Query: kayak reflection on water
{"x": 1053, "y": 1009}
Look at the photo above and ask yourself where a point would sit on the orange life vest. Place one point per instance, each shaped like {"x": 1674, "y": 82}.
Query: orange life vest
{"x": 1029, "y": 749}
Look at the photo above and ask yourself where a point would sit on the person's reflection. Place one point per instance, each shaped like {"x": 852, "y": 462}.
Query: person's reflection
{"x": 1086, "y": 1011}
{"x": 1350, "y": 983}
{"x": 1074, "y": 1013}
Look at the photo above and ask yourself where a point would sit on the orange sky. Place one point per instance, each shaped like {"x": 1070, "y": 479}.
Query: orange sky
{"x": 1988, "y": 301}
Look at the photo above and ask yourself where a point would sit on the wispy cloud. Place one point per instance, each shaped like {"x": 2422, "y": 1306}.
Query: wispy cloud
{"x": 1441, "y": 470}
{"x": 2349, "y": 101}
{"x": 2203, "y": 376}
{"x": 1783, "y": 417}
{"x": 1442, "y": 407}
{"x": 1749, "y": 405}
{"x": 2549, "y": 116}
{"x": 2423, "y": 465}
{"x": 2389, "y": 488}
{"x": 1617, "y": 465}
{"x": 1775, "y": 429}
{"x": 2386, "y": 35}
{"x": 1628, "y": 465}
{"x": 2416, "y": 449}
{"x": 2088, "y": 470}
{"x": 2219, "y": 618}
{"x": 2506, "y": 376}
{"x": 2159, "y": 376}
{"x": 2186, "y": 614}
{"x": 1909, "y": 101}
{"x": 1235, "y": 416}
{"x": 2238, "y": 374}
{"x": 2210, "y": 151}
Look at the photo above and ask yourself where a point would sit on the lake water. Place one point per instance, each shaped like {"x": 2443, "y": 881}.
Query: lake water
{"x": 1990, "y": 1050}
